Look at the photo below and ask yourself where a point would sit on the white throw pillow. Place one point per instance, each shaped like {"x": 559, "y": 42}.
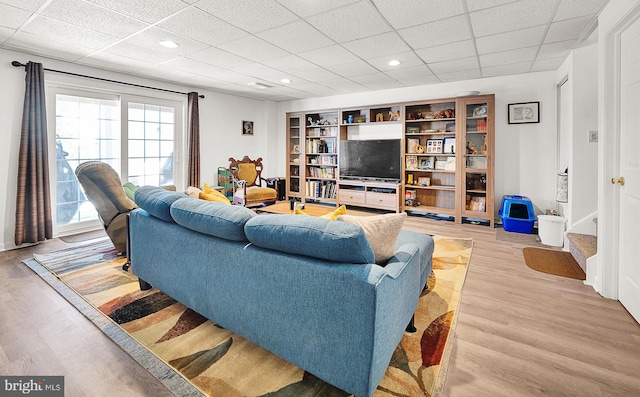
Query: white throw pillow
{"x": 381, "y": 231}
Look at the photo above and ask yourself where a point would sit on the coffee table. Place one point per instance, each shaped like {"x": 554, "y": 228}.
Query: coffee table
{"x": 309, "y": 209}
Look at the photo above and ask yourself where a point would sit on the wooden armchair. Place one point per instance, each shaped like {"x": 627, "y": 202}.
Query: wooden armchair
{"x": 247, "y": 183}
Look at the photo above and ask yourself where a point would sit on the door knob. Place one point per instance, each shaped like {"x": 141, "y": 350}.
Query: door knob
{"x": 619, "y": 181}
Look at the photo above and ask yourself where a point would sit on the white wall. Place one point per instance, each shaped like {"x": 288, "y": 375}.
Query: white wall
{"x": 578, "y": 117}
{"x": 220, "y": 125}
{"x": 525, "y": 153}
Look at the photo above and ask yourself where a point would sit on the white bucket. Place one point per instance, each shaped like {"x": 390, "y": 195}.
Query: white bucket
{"x": 551, "y": 230}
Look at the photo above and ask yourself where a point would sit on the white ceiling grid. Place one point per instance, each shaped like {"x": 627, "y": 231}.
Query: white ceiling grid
{"x": 324, "y": 47}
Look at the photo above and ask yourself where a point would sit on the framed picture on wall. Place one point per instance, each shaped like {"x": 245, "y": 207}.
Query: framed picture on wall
{"x": 247, "y": 127}
{"x": 526, "y": 112}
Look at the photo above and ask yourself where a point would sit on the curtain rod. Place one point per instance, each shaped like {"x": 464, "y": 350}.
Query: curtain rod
{"x": 18, "y": 64}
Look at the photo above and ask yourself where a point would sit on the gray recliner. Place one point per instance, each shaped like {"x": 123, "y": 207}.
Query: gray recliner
{"x": 103, "y": 188}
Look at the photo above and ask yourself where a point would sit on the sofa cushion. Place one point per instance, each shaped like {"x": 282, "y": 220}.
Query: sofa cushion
{"x": 310, "y": 236}
{"x": 157, "y": 201}
{"x": 212, "y": 218}
{"x": 381, "y": 230}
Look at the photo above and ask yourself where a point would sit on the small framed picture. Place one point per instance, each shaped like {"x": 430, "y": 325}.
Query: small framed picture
{"x": 247, "y": 127}
{"x": 412, "y": 145}
{"x": 451, "y": 164}
{"x": 434, "y": 146}
{"x": 441, "y": 164}
{"x": 411, "y": 162}
{"x": 480, "y": 111}
{"x": 526, "y": 112}
{"x": 424, "y": 181}
{"x": 449, "y": 145}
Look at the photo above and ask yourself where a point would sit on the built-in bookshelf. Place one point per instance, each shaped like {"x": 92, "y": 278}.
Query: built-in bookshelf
{"x": 322, "y": 136}
{"x": 447, "y": 157}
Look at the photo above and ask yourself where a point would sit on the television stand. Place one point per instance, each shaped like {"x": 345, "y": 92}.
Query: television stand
{"x": 378, "y": 195}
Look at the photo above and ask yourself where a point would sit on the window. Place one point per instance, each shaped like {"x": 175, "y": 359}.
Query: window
{"x": 86, "y": 129}
{"x": 151, "y": 137}
{"x": 135, "y": 135}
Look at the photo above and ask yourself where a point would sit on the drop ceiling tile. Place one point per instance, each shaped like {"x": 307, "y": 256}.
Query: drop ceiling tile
{"x": 512, "y": 16}
{"x": 315, "y": 89}
{"x": 29, "y": 5}
{"x": 446, "y": 52}
{"x": 556, "y": 50}
{"x": 93, "y": 17}
{"x": 259, "y": 71}
{"x": 307, "y": 8}
{"x": 252, "y": 16}
{"x": 150, "y": 11}
{"x": 12, "y": 17}
{"x": 43, "y": 45}
{"x": 406, "y": 13}
{"x": 351, "y": 22}
{"x": 456, "y": 65}
{"x": 64, "y": 32}
{"x": 567, "y": 29}
{"x": 578, "y": 8}
{"x": 290, "y": 64}
{"x": 296, "y": 37}
{"x": 475, "y": 5}
{"x": 373, "y": 78}
{"x": 166, "y": 73}
{"x": 253, "y": 48}
{"x": 139, "y": 53}
{"x": 151, "y": 38}
{"x": 329, "y": 56}
{"x": 410, "y": 81}
{"x": 527, "y": 54}
{"x": 190, "y": 66}
{"x": 317, "y": 75}
{"x": 201, "y": 26}
{"x": 460, "y": 76}
{"x": 407, "y": 59}
{"x": 547, "y": 64}
{"x": 114, "y": 62}
{"x": 353, "y": 69}
{"x": 410, "y": 73}
{"x": 342, "y": 85}
{"x": 374, "y": 46}
{"x": 232, "y": 77}
{"x": 437, "y": 33}
{"x": 510, "y": 40}
{"x": 501, "y": 70}
{"x": 5, "y": 33}
{"x": 217, "y": 57}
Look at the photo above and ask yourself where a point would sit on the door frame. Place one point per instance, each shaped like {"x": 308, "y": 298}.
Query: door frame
{"x": 605, "y": 279}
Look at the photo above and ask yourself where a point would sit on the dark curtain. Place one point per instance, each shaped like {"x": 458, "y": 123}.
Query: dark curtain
{"x": 193, "y": 120}
{"x": 33, "y": 200}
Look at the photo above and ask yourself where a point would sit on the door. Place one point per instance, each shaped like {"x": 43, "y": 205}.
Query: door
{"x": 629, "y": 190}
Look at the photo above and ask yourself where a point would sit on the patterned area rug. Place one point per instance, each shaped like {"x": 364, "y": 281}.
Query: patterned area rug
{"x": 221, "y": 363}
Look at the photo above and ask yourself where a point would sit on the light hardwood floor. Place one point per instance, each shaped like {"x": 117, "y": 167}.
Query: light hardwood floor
{"x": 519, "y": 332}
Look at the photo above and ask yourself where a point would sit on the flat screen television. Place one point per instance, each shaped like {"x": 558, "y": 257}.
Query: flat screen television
{"x": 378, "y": 160}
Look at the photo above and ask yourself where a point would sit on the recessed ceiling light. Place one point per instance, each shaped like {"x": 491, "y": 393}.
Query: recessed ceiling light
{"x": 259, "y": 85}
{"x": 286, "y": 81}
{"x": 169, "y": 44}
{"x": 394, "y": 62}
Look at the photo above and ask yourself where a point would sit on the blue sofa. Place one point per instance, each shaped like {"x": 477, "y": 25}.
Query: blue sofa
{"x": 303, "y": 288}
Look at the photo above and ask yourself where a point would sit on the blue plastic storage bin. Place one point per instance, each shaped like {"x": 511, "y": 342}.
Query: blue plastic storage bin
{"x": 517, "y": 214}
